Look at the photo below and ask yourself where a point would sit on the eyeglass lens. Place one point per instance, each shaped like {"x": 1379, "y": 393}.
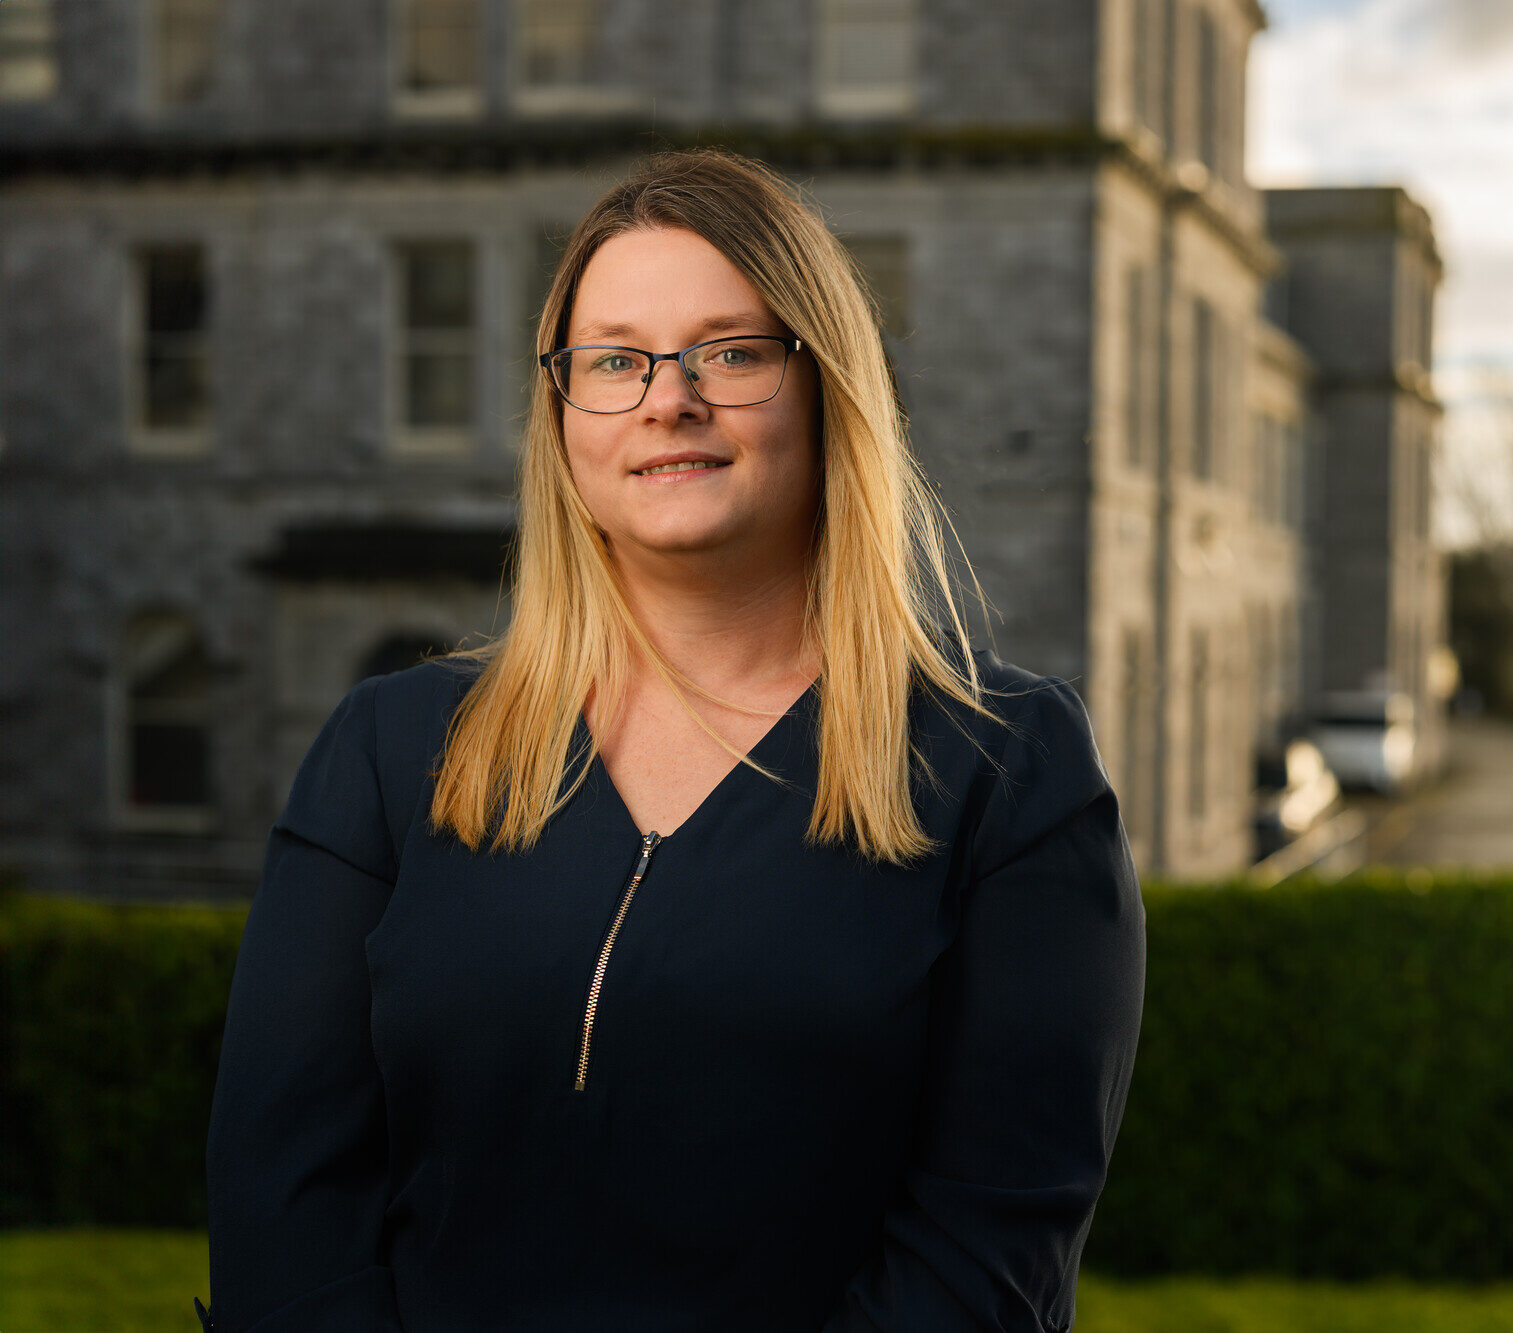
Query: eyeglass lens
{"x": 733, "y": 373}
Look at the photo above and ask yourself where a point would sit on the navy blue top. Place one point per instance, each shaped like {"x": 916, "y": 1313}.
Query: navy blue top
{"x": 761, "y": 1086}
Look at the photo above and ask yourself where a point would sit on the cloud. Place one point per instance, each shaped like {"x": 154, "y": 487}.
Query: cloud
{"x": 1410, "y": 92}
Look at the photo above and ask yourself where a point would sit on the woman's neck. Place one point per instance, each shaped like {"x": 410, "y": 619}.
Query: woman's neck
{"x": 725, "y": 634}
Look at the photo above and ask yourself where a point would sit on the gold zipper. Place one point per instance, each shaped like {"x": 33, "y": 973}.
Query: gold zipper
{"x": 649, "y": 843}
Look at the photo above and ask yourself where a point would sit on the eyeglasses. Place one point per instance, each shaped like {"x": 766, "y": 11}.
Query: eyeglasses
{"x": 724, "y": 372}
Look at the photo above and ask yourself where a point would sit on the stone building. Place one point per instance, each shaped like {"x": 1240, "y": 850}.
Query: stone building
{"x": 1362, "y": 267}
{"x": 267, "y": 275}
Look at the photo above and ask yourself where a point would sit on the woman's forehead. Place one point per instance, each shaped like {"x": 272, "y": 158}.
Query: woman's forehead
{"x": 648, "y": 281}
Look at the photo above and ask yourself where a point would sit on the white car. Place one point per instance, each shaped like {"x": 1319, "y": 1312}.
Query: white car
{"x": 1295, "y": 791}
{"x": 1368, "y": 738}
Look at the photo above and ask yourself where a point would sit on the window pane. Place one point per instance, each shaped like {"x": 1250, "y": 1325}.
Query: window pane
{"x": 168, "y": 765}
{"x": 186, "y": 41}
{"x": 175, "y": 370}
{"x": 175, "y": 289}
{"x": 558, "y": 38}
{"x": 175, "y": 388}
{"x": 435, "y": 334}
{"x": 1147, "y": 64}
{"x": 1208, "y": 92}
{"x": 1197, "y": 779}
{"x": 168, "y": 682}
{"x": 883, "y": 261}
{"x": 440, "y": 44}
{"x": 544, "y": 254}
{"x": 866, "y": 44}
{"x": 440, "y": 389}
{"x": 28, "y": 59}
{"x": 438, "y": 285}
{"x": 1135, "y": 325}
{"x": 1203, "y": 388}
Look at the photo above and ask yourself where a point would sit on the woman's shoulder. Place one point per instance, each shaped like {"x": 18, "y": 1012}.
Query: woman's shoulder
{"x": 1011, "y": 692}
{"x": 412, "y": 706}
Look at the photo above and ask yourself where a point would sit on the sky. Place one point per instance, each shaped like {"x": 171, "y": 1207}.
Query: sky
{"x": 1417, "y": 93}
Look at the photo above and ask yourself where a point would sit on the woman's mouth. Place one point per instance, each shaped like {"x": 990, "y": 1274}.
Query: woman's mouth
{"x": 673, "y": 471}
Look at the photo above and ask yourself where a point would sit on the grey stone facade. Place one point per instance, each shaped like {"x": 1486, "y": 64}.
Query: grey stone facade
{"x": 1135, "y": 454}
{"x": 1362, "y": 267}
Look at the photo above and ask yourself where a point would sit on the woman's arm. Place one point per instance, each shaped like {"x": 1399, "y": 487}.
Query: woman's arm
{"x": 1035, "y": 1016}
{"x": 297, "y": 1155}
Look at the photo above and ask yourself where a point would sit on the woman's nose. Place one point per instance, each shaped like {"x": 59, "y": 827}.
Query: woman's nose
{"x": 672, "y": 392}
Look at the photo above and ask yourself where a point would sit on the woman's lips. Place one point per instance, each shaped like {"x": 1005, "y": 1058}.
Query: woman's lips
{"x": 685, "y": 475}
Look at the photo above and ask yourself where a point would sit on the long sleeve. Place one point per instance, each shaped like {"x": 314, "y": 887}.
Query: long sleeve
{"x": 1035, "y": 1016}
{"x": 297, "y": 1153}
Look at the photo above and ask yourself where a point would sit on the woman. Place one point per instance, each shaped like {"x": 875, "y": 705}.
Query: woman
{"x": 728, "y": 947}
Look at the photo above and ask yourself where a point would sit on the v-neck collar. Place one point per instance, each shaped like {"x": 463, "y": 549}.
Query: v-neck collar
{"x": 600, "y": 773}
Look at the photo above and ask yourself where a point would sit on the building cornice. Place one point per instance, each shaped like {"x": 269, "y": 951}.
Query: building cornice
{"x": 1409, "y": 381}
{"x": 382, "y": 549}
{"x": 467, "y": 150}
{"x": 1278, "y": 346}
{"x": 513, "y": 145}
{"x": 1189, "y": 186}
{"x": 1351, "y": 210}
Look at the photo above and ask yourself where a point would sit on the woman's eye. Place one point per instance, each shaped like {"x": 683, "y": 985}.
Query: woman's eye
{"x": 615, "y": 363}
{"x": 734, "y": 356}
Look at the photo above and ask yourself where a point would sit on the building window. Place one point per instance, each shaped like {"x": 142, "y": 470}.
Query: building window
{"x": 436, "y": 67}
{"x": 1289, "y": 665}
{"x": 1424, "y": 520}
{"x": 185, "y": 34}
{"x": 1148, "y": 65}
{"x": 884, "y": 265}
{"x": 557, "y": 40}
{"x": 1292, "y": 438}
{"x": 28, "y": 51}
{"x": 559, "y": 67}
{"x": 864, "y": 57}
{"x": 1203, "y": 388}
{"x": 164, "y": 732}
{"x": 434, "y": 324}
{"x": 1197, "y": 761}
{"x": 1210, "y": 128}
{"x": 1134, "y": 789}
{"x": 1426, "y": 323}
{"x": 171, "y": 348}
{"x": 1274, "y": 469}
{"x": 543, "y": 252}
{"x": 1138, "y": 362}
{"x": 1267, "y": 674}
{"x": 1260, "y": 442}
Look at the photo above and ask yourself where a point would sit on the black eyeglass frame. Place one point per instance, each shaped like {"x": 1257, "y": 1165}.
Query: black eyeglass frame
{"x": 790, "y": 345}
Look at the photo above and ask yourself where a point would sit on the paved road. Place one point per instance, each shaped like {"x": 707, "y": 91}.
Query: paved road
{"x": 1465, "y": 818}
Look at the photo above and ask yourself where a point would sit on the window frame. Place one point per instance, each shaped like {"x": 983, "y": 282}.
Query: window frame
{"x": 144, "y": 439}
{"x": 120, "y": 718}
{"x": 43, "y": 53}
{"x": 152, "y": 63}
{"x": 459, "y": 102}
{"x": 834, "y": 98}
{"x": 587, "y": 97}
{"x": 407, "y": 440}
{"x": 895, "y": 306}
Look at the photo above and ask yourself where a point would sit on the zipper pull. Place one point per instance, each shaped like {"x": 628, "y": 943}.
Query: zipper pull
{"x": 649, "y": 843}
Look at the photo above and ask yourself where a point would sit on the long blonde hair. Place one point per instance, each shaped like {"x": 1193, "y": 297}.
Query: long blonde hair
{"x": 877, "y": 560}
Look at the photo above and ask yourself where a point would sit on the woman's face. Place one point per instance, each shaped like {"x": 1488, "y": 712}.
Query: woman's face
{"x": 664, "y": 290}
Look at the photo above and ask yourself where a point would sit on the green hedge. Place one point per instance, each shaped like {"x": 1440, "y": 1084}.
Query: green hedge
{"x": 110, "y": 1034}
{"x": 1324, "y": 1086}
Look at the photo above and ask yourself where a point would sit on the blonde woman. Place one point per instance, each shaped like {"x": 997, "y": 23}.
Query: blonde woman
{"x": 729, "y": 946}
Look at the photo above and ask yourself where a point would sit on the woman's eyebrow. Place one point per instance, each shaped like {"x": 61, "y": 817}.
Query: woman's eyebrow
{"x": 751, "y": 322}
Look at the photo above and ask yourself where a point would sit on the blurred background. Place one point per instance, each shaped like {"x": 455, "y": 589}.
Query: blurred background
{"x": 1201, "y": 314}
